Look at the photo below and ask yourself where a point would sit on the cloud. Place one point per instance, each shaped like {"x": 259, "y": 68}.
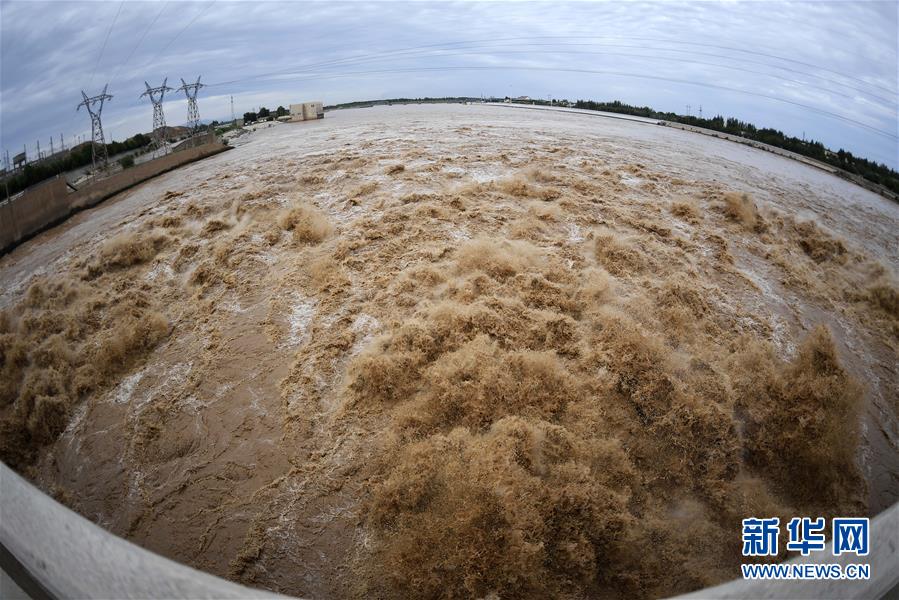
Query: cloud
{"x": 835, "y": 57}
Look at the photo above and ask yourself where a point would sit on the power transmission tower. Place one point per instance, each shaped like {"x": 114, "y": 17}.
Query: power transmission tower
{"x": 94, "y": 106}
{"x": 193, "y": 114}
{"x": 156, "y": 95}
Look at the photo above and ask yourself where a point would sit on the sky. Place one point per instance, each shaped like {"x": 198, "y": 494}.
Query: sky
{"x": 823, "y": 70}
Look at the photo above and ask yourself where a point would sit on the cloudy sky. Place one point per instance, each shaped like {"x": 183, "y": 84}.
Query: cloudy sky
{"x": 827, "y": 70}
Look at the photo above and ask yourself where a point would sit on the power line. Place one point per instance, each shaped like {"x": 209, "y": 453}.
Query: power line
{"x": 193, "y": 113}
{"x": 139, "y": 42}
{"x": 156, "y": 95}
{"x": 775, "y": 56}
{"x": 94, "y": 106}
{"x": 103, "y": 47}
{"x": 429, "y": 50}
{"x": 725, "y": 57}
{"x": 347, "y": 62}
{"x": 177, "y": 35}
{"x": 631, "y": 55}
{"x": 99, "y": 58}
{"x": 601, "y": 37}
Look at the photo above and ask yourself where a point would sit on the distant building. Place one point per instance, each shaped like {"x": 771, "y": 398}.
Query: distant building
{"x": 307, "y": 111}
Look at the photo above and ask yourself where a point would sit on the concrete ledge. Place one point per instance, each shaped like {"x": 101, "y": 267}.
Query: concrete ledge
{"x": 41, "y": 204}
{"x": 67, "y": 556}
{"x": 54, "y": 553}
{"x": 884, "y": 581}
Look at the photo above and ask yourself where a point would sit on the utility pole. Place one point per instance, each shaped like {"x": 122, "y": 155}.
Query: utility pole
{"x": 233, "y": 118}
{"x": 688, "y": 110}
{"x": 193, "y": 113}
{"x": 52, "y": 151}
{"x": 6, "y": 172}
{"x": 156, "y": 95}
{"x": 62, "y": 142}
{"x": 700, "y": 111}
{"x": 94, "y": 106}
{"x": 39, "y": 150}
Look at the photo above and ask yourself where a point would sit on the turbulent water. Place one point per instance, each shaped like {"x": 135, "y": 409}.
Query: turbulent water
{"x": 460, "y": 350}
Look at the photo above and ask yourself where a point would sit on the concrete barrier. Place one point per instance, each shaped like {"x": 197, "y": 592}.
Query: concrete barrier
{"x": 51, "y": 552}
{"x": 49, "y": 203}
{"x": 101, "y": 190}
{"x": 883, "y": 582}
{"x": 41, "y": 205}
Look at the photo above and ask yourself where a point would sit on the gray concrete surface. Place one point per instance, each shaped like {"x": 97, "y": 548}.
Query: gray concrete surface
{"x": 70, "y": 557}
{"x": 73, "y": 558}
{"x": 883, "y": 559}
{"x": 39, "y": 206}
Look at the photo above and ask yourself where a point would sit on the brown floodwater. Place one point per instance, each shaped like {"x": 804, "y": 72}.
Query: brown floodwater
{"x": 459, "y": 350}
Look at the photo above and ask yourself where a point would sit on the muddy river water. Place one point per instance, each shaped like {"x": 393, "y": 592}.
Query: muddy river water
{"x": 556, "y": 337}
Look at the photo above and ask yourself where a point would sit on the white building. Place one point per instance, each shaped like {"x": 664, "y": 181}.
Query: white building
{"x": 307, "y": 111}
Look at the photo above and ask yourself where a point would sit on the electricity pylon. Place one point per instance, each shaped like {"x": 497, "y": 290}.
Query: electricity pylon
{"x": 193, "y": 114}
{"x": 94, "y": 106}
{"x": 156, "y": 95}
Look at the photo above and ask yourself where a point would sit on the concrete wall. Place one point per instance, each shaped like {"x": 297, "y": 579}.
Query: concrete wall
{"x": 101, "y": 190}
{"x": 307, "y": 111}
{"x": 313, "y": 110}
{"x": 194, "y": 141}
{"x": 39, "y": 206}
{"x": 49, "y": 203}
{"x": 52, "y": 552}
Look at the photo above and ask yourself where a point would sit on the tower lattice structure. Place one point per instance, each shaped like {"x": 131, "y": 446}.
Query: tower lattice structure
{"x": 156, "y": 95}
{"x": 94, "y": 106}
{"x": 193, "y": 113}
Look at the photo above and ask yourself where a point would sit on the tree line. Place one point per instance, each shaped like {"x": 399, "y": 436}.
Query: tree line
{"x": 877, "y": 173}
{"x": 263, "y": 112}
{"x": 389, "y": 101}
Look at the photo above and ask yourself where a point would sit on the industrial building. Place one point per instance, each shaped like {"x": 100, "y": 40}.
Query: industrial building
{"x": 307, "y": 111}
